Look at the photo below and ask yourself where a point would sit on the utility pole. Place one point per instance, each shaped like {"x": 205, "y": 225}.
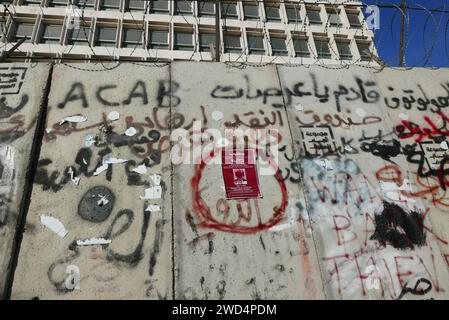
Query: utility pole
{"x": 217, "y": 30}
{"x": 401, "y": 49}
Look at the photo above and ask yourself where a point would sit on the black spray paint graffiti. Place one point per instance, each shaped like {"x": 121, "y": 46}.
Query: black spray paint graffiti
{"x": 364, "y": 91}
{"x": 165, "y": 95}
{"x": 97, "y": 203}
{"x": 399, "y": 228}
{"x": 11, "y": 79}
{"x": 416, "y": 290}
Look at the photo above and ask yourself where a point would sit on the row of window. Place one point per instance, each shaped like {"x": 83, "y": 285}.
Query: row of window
{"x": 246, "y": 10}
{"x": 184, "y": 38}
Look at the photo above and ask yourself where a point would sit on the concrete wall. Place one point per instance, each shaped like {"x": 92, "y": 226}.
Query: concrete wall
{"x": 354, "y": 207}
{"x": 22, "y": 90}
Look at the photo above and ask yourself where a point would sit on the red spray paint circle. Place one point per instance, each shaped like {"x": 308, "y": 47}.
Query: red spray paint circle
{"x": 202, "y": 209}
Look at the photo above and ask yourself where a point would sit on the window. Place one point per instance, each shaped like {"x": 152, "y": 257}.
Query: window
{"x": 232, "y": 43}
{"x": 364, "y": 50}
{"x": 251, "y": 11}
{"x": 183, "y": 39}
{"x": 322, "y": 48}
{"x": 206, "y": 38}
{"x": 293, "y": 14}
{"x": 354, "y": 20}
{"x": 110, "y": 5}
{"x": 132, "y": 38}
{"x": 84, "y": 3}
{"x": 343, "y": 50}
{"x": 51, "y": 33}
{"x": 105, "y": 37}
{"x": 23, "y": 30}
{"x": 301, "y": 46}
{"x": 272, "y": 13}
{"x": 229, "y": 10}
{"x": 183, "y": 7}
{"x": 58, "y": 3}
{"x": 79, "y": 36}
{"x": 135, "y": 5}
{"x": 159, "y": 6}
{"x": 158, "y": 39}
{"x": 278, "y": 46}
{"x": 31, "y": 3}
{"x": 314, "y": 15}
{"x": 334, "y": 17}
{"x": 206, "y": 9}
{"x": 255, "y": 44}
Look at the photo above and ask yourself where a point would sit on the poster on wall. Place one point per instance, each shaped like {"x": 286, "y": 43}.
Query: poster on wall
{"x": 240, "y": 173}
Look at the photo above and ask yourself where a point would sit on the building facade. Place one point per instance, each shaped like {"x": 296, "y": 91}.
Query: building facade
{"x": 283, "y": 32}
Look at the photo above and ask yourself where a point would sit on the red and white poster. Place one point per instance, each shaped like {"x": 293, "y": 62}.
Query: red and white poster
{"x": 240, "y": 173}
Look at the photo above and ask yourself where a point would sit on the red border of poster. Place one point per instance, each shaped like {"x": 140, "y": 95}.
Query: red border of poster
{"x": 240, "y": 173}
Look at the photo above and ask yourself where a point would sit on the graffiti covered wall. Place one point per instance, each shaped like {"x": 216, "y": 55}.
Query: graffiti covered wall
{"x": 128, "y": 198}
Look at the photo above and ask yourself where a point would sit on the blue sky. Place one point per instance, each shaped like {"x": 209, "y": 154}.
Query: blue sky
{"x": 428, "y": 35}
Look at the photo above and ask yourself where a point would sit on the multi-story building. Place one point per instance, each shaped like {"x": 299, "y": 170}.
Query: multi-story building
{"x": 293, "y": 32}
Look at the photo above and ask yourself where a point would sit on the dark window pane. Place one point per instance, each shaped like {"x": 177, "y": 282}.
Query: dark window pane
{"x": 343, "y": 50}
{"x": 184, "y": 7}
{"x": 293, "y": 14}
{"x": 136, "y": 5}
{"x": 58, "y": 3}
{"x": 354, "y": 20}
{"x": 85, "y": 3}
{"x": 365, "y": 51}
{"x": 272, "y": 13}
{"x": 183, "y": 41}
{"x": 105, "y": 36}
{"x": 51, "y": 33}
{"x": 206, "y": 8}
{"x": 24, "y": 30}
{"x": 158, "y": 39}
{"x": 334, "y": 19}
{"x": 132, "y": 38}
{"x": 232, "y": 44}
{"x": 322, "y": 47}
{"x": 278, "y": 46}
{"x": 110, "y": 4}
{"x": 205, "y": 40}
{"x": 314, "y": 16}
{"x": 32, "y": 2}
{"x": 229, "y": 10}
{"x": 79, "y": 36}
{"x": 251, "y": 11}
{"x": 301, "y": 47}
{"x": 159, "y": 6}
{"x": 255, "y": 44}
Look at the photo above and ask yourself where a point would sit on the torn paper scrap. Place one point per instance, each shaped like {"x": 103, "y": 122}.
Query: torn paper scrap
{"x": 130, "y": 131}
{"x": 48, "y": 130}
{"x": 54, "y": 225}
{"x": 103, "y": 200}
{"x": 152, "y": 193}
{"x": 89, "y": 140}
{"x": 325, "y": 164}
{"x": 92, "y": 241}
{"x": 100, "y": 169}
{"x": 75, "y": 180}
{"x": 299, "y": 107}
{"x": 142, "y": 169}
{"x": 156, "y": 179}
{"x": 113, "y": 115}
{"x": 108, "y": 159}
{"x": 75, "y": 118}
{"x": 153, "y": 208}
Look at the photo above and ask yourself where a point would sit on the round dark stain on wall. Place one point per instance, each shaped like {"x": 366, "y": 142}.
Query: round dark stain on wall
{"x": 96, "y": 204}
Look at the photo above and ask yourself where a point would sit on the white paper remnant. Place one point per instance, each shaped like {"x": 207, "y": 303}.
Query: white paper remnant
{"x": 76, "y": 118}
{"x": 92, "y": 241}
{"x": 444, "y": 145}
{"x": 348, "y": 148}
{"x": 54, "y": 225}
{"x": 152, "y": 193}
{"x": 325, "y": 164}
{"x": 103, "y": 200}
{"x": 153, "y": 208}
{"x": 108, "y": 159}
{"x": 299, "y": 107}
{"x": 75, "y": 180}
{"x": 142, "y": 169}
{"x": 217, "y": 115}
{"x": 156, "y": 179}
{"x": 89, "y": 140}
{"x": 48, "y": 130}
{"x": 130, "y": 131}
{"x": 100, "y": 169}
{"x": 113, "y": 115}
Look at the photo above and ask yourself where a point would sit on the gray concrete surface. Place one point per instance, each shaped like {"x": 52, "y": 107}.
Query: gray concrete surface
{"x": 354, "y": 207}
{"x": 22, "y": 90}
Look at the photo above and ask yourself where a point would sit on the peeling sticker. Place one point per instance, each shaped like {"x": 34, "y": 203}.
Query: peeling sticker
{"x": 153, "y": 208}
{"x": 100, "y": 169}
{"x": 113, "y": 115}
{"x": 130, "y": 131}
{"x": 152, "y": 193}
{"x": 92, "y": 241}
{"x": 217, "y": 115}
{"x": 54, "y": 225}
{"x": 142, "y": 169}
{"x": 75, "y": 118}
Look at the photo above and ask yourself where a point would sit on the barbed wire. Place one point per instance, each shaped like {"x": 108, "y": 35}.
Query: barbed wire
{"x": 378, "y": 40}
